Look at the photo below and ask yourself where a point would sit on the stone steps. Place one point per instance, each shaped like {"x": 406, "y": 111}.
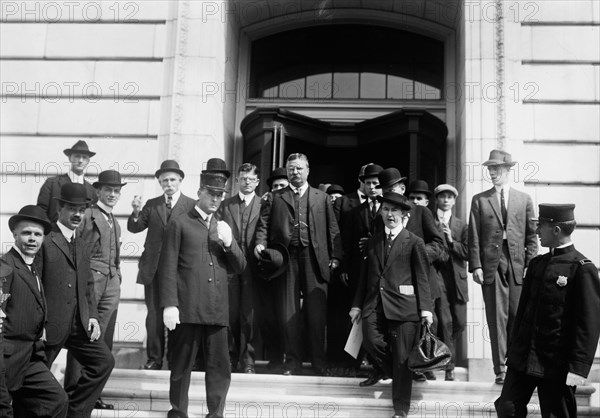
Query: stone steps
{"x": 139, "y": 393}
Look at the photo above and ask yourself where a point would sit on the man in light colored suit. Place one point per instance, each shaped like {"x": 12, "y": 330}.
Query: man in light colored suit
{"x": 241, "y": 212}
{"x": 301, "y": 218}
{"x": 502, "y": 240}
{"x": 155, "y": 215}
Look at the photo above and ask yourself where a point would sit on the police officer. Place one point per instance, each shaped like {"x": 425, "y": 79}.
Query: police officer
{"x": 557, "y": 323}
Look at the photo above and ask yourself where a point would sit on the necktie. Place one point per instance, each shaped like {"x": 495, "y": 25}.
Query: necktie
{"x": 503, "y": 207}
{"x": 34, "y": 272}
{"x": 72, "y": 247}
{"x": 110, "y": 220}
{"x": 388, "y": 246}
{"x": 169, "y": 202}
{"x": 296, "y": 194}
{"x": 373, "y": 209}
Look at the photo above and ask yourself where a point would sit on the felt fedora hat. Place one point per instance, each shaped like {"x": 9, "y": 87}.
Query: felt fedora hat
{"x": 273, "y": 261}
{"x": 395, "y": 199}
{"x": 74, "y": 193}
{"x": 31, "y": 213}
{"x": 389, "y": 177}
{"x": 213, "y": 181}
{"x": 216, "y": 165}
{"x": 169, "y": 166}
{"x": 109, "y": 178}
{"x": 278, "y": 173}
{"x": 419, "y": 186}
{"x": 499, "y": 157}
{"x": 80, "y": 147}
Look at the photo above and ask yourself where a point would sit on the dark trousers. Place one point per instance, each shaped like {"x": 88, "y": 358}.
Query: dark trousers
{"x": 339, "y": 303}
{"x": 155, "y": 329}
{"x": 97, "y": 363}
{"x": 302, "y": 279}
{"x": 184, "y": 343}
{"x": 241, "y": 318}
{"x": 501, "y": 299}
{"x": 108, "y": 294}
{"x": 444, "y": 328}
{"x": 269, "y": 314}
{"x": 557, "y": 400}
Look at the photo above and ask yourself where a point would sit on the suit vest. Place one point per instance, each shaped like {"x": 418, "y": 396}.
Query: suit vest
{"x": 300, "y": 228}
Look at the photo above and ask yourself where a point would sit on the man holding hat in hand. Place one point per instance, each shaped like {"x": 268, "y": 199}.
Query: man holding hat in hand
{"x": 102, "y": 235}
{"x": 199, "y": 252}
{"x": 30, "y": 385}
{"x": 501, "y": 243}
{"x": 79, "y": 157}
{"x": 557, "y": 324}
{"x": 72, "y": 308}
{"x": 154, "y": 216}
{"x": 393, "y": 297}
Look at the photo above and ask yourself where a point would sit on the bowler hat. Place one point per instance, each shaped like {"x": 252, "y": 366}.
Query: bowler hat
{"x": 395, "y": 199}
{"x": 335, "y": 188}
{"x": 216, "y": 165}
{"x": 169, "y": 166}
{"x": 74, "y": 193}
{"x": 499, "y": 157}
{"x": 389, "y": 177}
{"x": 278, "y": 173}
{"x": 556, "y": 212}
{"x": 213, "y": 181}
{"x": 419, "y": 186}
{"x": 362, "y": 170}
{"x": 80, "y": 147}
{"x": 109, "y": 178}
{"x": 31, "y": 213}
{"x": 445, "y": 188}
{"x": 371, "y": 170}
{"x": 273, "y": 261}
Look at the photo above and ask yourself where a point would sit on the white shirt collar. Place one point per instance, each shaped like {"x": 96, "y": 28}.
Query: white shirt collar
{"x": 174, "y": 199}
{"x": 66, "y": 231}
{"x": 565, "y": 245}
{"x": 301, "y": 188}
{"x": 26, "y": 258}
{"x": 247, "y": 197}
{"x": 394, "y": 231}
{"x": 76, "y": 178}
{"x": 444, "y": 215}
{"x": 104, "y": 207}
{"x": 205, "y": 216}
{"x": 506, "y": 188}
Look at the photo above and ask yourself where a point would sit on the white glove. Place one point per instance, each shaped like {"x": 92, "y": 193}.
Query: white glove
{"x": 171, "y": 317}
{"x": 574, "y": 380}
{"x": 224, "y": 233}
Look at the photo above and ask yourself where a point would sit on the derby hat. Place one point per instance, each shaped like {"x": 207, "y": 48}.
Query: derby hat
{"x": 335, "y": 188}
{"x": 169, "y": 166}
{"x": 278, "y": 173}
{"x": 362, "y": 170}
{"x": 389, "y": 177}
{"x": 419, "y": 186}
{"x": 213, "y": 181}
{"x": 31, "y": 213}
{"x": 74, "y": 193}
{"x": 273, "y": 261}
{"x": 556, "y": 212}
{"x": 216, "y": 165}
{"x": 499, "y": 157}
{"x": 80, "y": 147}
{"x": 445, "y": 188}
{"x": 109, "y": 178}
{"x": 395, "y": 199}
{"x": 371, "y": 170}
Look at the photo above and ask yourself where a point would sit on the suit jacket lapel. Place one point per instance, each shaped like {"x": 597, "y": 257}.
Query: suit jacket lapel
{"x": 61, "y": 242}
{"x": 254, "y": 209}
{"x": 494, "y": 203}
{"x": 380, "y": 248}
{"x": 288, "y": 196}
{"x": 176, "y": 210}
{"x": 234, "y": 208}
{"x": 29, "y": 278}
{"x": 162, "y": 209}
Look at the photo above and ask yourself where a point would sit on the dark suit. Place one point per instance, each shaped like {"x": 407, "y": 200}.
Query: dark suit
{"x": 343, "y": 205}
{"x": 154, "y": 217}
{"x": 193, "y": 276}
{"x": 451, "y": 307}
{"x": 97, "y": 235}
{"x": 244, "y": 288}
{"x": 308, "y": 271}
{"x": 31, "y": 385}
{"x": 502, "y": 261}
{"x": 556, "y": 331}
{"x": 392, "y": 292}
{"x": 51, "y": 189}
{"x": 69, "y": 288}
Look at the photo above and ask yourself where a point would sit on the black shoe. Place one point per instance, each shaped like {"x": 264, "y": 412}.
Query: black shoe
{"x": 249, "y": 369}
{"x": 449, "y": 376}
{"x": 101, "y": 405}
{"x": 373, "y": 378}
{"x": 419, "y": 377}
{"x": 152, "y": 365}
{"x": 430, "y": 376}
